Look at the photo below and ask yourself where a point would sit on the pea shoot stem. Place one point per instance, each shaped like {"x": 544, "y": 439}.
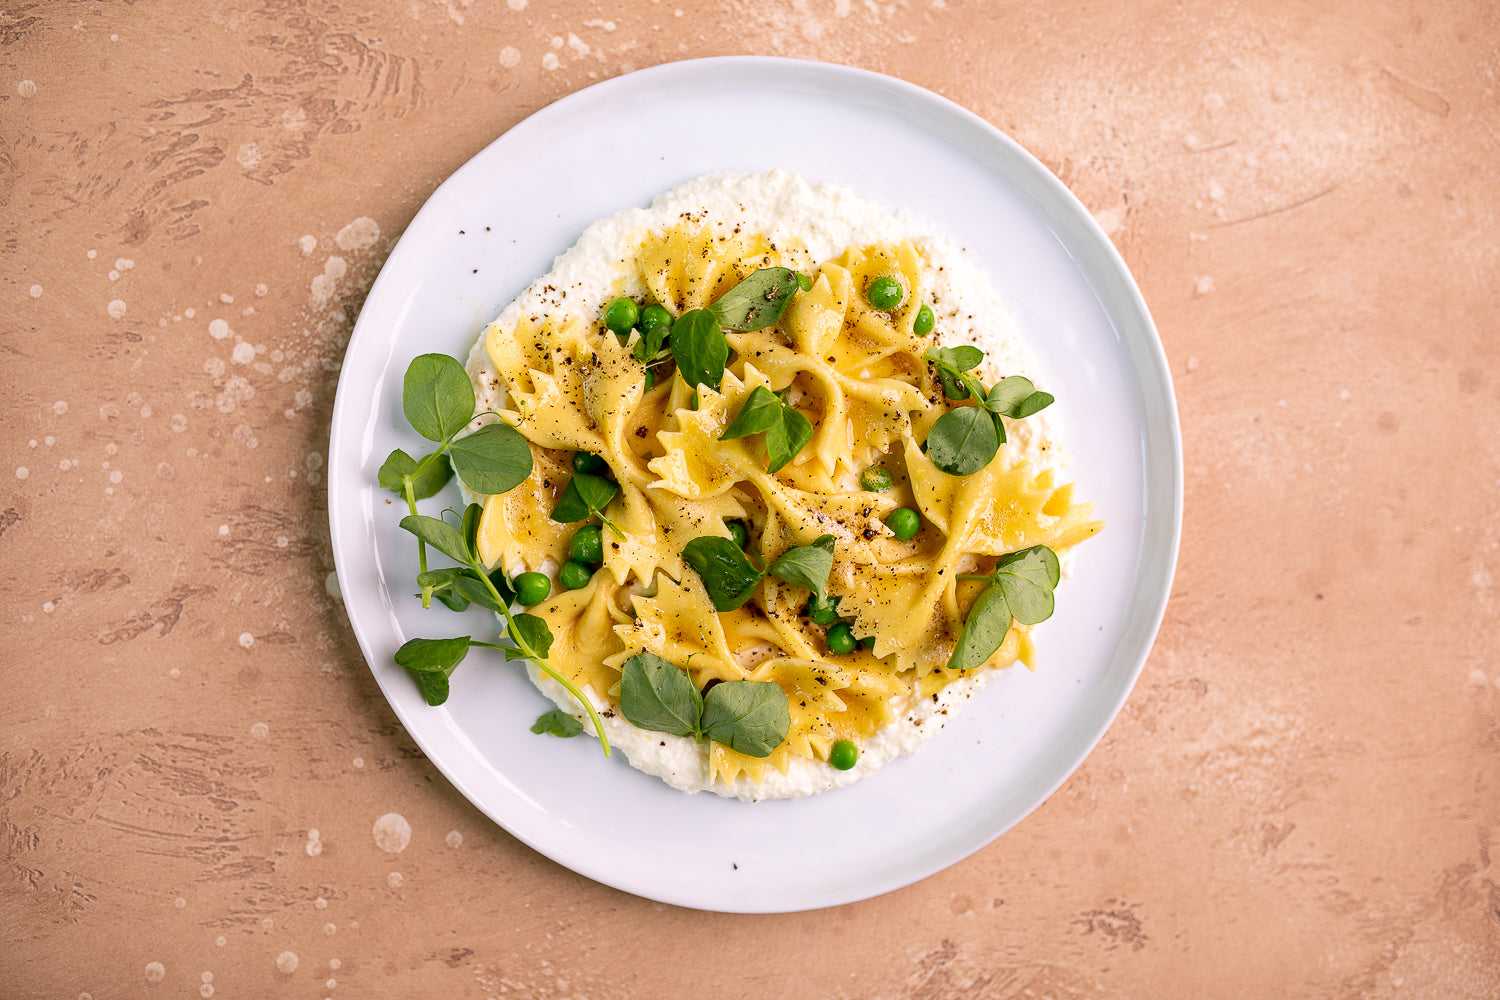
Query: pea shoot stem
{"x": 408, "y": 491}
{"x": 532, "y": 655}
{"x": 411, "y": 505}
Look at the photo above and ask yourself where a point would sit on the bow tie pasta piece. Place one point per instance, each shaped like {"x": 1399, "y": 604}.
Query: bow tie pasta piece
{"x": 583, "y": 624}
{"x": 679, "y": 624}
{"x": 687, "y": 268}
{"x": 1004, "y": 507}
{"x": 870, "y": 333}
{"x": 855, "y": 417}
{"x": 515, "y": 530}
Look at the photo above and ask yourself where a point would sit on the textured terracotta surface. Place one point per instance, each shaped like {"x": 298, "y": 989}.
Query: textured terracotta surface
{"x": 1299, "y": 800}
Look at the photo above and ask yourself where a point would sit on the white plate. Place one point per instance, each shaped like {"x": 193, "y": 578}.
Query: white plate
{"x": 497, "y": 223}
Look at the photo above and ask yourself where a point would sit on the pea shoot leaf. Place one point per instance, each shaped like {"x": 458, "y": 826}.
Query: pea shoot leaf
{"x": 423, "y": 655}
{"x": 468, "y": 525}
{"x": 749, "y": 717}
{"x": 959, "y": 442}
{"x": 428, "y": 476}
{"x": 530, "y": 631}
{"x": 1007, "y": 394}
{"x": 557, "y": 723}
{"x": 784, "y": 441}
{"x": 443, "y": 584}
{"x": 962, "y": 358}
{"x": 439, "y": 534}
{"x": 1027, "y": 579}
{"x": 699, "y": 347}
{"x": 1021, "y": 587}
{"x": 1016, "y": 397}
{"x": 494, "y": 459}
{"x": 584, "y": 497}
{"x": 984, "y": 630}
{"x": 650, "y": 342}
{"x": 394, "y": 470}
{"x": 471, "y": 589}
{"x": 761, "y": 411}
{"x": 436, "y": 396}
{"x": 758, "y": 301}
{"x": 727, "y": 574}
{"x": 1034, "y": 403}
{"x": 659, "y": 696}
{"x": 433, "y": 685}
{"x": 807, "y": 566}
{"x": 787, "y": 431}
{"x": 963, "y": 440}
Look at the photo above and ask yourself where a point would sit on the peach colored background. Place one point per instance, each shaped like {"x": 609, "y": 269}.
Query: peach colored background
{"x": 1301, "y": 797}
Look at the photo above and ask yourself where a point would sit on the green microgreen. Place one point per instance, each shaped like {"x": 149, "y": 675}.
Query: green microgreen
{"x": 786, "y": 430}
{"x": 730, "y": 577}
{"x": 807, "y": 566}
{"x": 697, "y": 336}
{"x": 557, "y": 723}
{"x": 586, "y": 496}
{"x": 758, "y": 301}
{"x": 1019, "y": 588}
{"x": 650, "y": 347}
{"x": 965, "y": 439}
{"x": 699, "y": 348}
{"x": 438, "y": 401}
{"x": 750, "y": 717}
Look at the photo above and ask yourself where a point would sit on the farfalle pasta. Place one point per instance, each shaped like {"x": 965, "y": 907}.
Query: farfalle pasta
{"x": 857, "y": 374}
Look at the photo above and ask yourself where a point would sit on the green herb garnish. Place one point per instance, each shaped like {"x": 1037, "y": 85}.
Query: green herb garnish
{"x": 757, "y": 302}
{"x": 787, "y": 431}
{"x": 1020, "y": 588}
{"x": 698, "y": 343}
{"x": 531, "y": 637}
{"x": 730, "y": 577}
{"x": 807, "y": 566}
{"x": 964, "y": 440}
{"x": 699, "y": 347}
{"x": 586, "y": 496}
{"x": 557, "y": 723}
{"x": 438, "y": 400}
{"x": 750, "y": 717}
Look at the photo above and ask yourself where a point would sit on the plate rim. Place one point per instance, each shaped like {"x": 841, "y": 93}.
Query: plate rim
{"x": 1079, "y": 234}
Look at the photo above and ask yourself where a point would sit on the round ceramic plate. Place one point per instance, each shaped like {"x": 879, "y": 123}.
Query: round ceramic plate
{"x": 497, "y": 223}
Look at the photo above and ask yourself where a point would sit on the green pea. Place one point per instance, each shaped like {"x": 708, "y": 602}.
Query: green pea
{"x": 590, "y": 463}
{"x": 574, "y": 575}
{"x": 875, "y": 479}
{"x": 885, "y": 293}
{"x": 825, "y": 613}
{"x": 843, "y": 755}
{"x": 924, "y": 322}
{"x": 841, "y": 639}
{"x": 654, "y": 317}
{"x": 532, "y": 589}
{"x": 621, "y": 315}
{"x": 804, "y": 282}
{"x": 868, "y": 642}
{"x": 587, "y": 545}
{"x": 737, "y": 532}
{"x": 904, "y": 523}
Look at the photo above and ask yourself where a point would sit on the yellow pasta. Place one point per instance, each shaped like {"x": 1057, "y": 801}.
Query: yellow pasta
{"x": 858, "y": 375}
